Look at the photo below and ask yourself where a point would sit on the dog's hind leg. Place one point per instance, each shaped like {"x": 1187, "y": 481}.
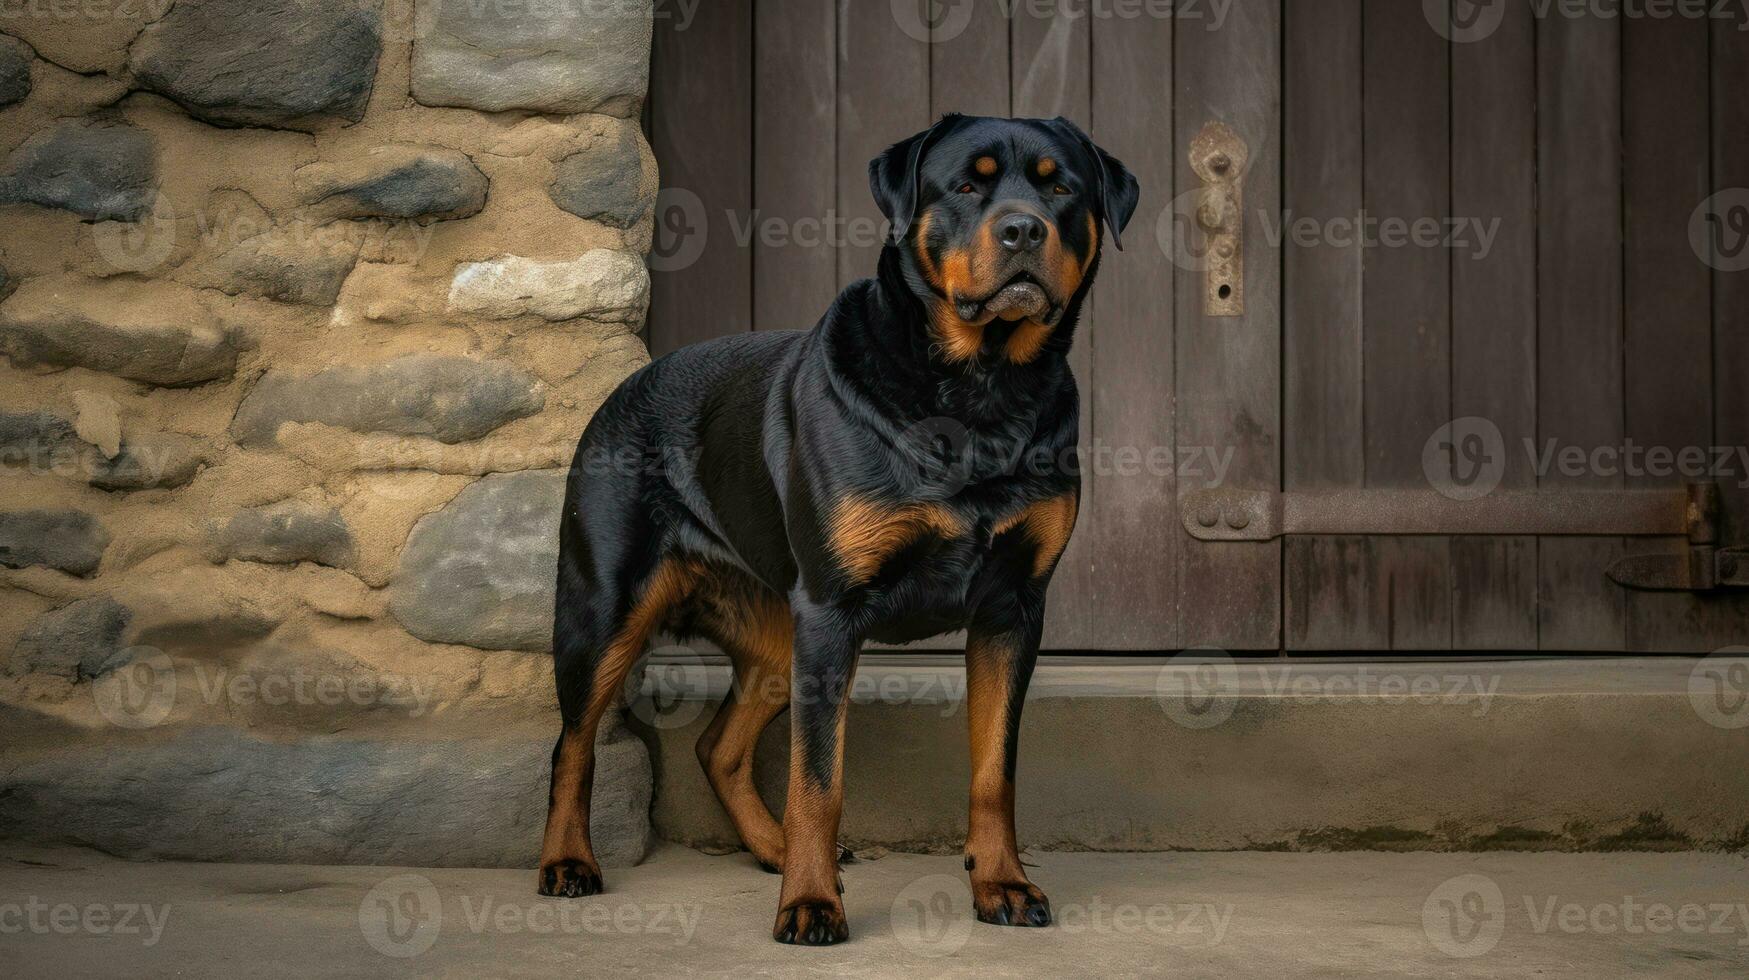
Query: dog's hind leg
{"x": 755, "y": 628}
{"x": 598, "y": 633}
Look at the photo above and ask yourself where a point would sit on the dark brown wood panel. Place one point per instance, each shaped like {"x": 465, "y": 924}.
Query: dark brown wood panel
{"x": 1132, "y": 533}
{"x": 1579, "y": 256}
{"x": 1493, "y": 316}
{"x": 1322, "y": 426}
{"x": 790, "y": 233}
{"x": 1730, "y": 178}
{"x": 968, "y": 64}
{"x": 706, "y": 159}
{"x": 1229, "y": 368}
{"x": 883, "y": 97}
{"x": 1668, "y": 397}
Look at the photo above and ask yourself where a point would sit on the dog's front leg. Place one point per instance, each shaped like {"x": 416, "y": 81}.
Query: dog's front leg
{"x": 1001, "y": 648}
{"x": 810, "y": 910}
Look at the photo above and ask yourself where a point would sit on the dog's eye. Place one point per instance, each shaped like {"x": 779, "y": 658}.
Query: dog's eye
{"x": 1060, "y": 189}
{"x": 967, "y": 188}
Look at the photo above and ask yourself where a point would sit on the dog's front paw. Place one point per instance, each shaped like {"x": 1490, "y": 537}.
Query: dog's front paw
{"x": 570, "y": 878}
{"x": 1011, "y": 903}
{"x": 811, "y": 924}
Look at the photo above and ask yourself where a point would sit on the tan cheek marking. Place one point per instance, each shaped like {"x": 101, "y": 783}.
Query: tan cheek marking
{"x": 986, "y": 166}
{"x": 930, "y": 272}
{"x": 865, "y": 533}
{"x": 1046, "y": 167}
{"x": 1048, "y": 524}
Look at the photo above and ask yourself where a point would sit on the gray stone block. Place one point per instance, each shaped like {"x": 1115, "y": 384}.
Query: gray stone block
{"x": 603, "y": 183}
{"x": 481, "y": 571}
{"x": 73, "y": 641}
{"x": 15, "y": 60}
{"x": 287, "y": 533}
{"x": 396, "y": 182}
{"x": 99, "y": 170}
{"x": 451, "y": 399}
{"x": 155, "y": 334}
{"x": 547, "y": 57}
{"x": 421, "y": 799}
{"x": 263, "y": 62}
{"x": 67, "y": 540}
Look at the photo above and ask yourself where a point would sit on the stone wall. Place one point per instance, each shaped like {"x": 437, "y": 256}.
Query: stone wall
{"x": 303, "y": 306}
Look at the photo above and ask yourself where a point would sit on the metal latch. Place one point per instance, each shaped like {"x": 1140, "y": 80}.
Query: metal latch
{"x": 1693, "y": 512}
{"x": 1218, "y": 156}
{"x": 1704, "y": 567}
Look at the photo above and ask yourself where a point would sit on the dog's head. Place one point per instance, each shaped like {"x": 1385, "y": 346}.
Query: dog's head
{"x": 998, "y": 221}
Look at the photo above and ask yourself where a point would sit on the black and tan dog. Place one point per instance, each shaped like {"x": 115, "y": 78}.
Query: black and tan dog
{"x": 903, "y": 469}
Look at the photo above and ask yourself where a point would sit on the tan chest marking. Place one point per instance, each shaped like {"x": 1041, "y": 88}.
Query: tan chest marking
{"x": 865, "y": 533}
{"x": 1047, "y": 524}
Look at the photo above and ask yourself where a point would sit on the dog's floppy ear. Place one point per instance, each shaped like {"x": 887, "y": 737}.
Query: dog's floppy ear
{"x": 893, "y": 177}
{"x": 1118, "y": 192}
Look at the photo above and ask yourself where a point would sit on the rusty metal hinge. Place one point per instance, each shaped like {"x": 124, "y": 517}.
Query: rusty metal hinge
{"x": 1218, "y": 156}
{"x": 1690, "y": 512}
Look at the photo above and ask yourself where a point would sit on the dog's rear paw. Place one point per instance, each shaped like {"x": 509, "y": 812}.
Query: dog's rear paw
{"x": 1016, "y": 903}
{"x": 811, "y": 924}
{"x": 570, "y": 878}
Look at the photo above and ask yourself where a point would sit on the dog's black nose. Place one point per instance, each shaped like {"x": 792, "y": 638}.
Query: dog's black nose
{"x": 1020, "y": 232}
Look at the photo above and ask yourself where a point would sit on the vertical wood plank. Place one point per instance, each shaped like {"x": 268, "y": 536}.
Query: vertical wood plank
{"x": 795, "y": 177}
{"x": 701, "y": 128}
{"x": 1051, "y": 75}
{"x": 1229, "y": 368}
{"x": 1668, "y": 309}
{"x": 883, "y": 97}
{"x": 1730, "y": 134}
{"x": 1406, "y": 304}
{"x": 1494, "y": 353}
{"x": 1579, "y": 289}
{"x": 1329, "y": 603}
{"x": 968, "y": 64}
{"x": 1132, "y": 535}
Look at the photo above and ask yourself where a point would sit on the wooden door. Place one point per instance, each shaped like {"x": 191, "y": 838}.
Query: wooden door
{"x": 1583, "y": 147}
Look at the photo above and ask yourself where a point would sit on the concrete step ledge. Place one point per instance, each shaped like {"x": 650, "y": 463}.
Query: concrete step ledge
{"x": 1209, "y": 753}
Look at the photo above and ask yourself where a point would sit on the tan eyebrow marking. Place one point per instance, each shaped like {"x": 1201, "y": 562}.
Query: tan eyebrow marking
{"x": 986, "y": 166}
{"x": 1046, "y": 167}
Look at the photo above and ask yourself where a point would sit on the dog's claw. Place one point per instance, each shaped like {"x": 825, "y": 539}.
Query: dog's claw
{"x": 1011, "y": 904}
{"x": 811, "y": 924}
{"x": 570, "y": 879}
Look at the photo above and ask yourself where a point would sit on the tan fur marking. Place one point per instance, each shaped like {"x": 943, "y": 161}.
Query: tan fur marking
{"x": 567, "y": 828}
{"x": 1027, "y": 340}
{"x": 865, "y": 533}
{"x": 1046, "y": 167}
{"x": 1048, "y": 524}
{"x": 986, "y": 166}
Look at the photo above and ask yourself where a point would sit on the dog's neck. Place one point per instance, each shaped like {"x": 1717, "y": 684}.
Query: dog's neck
{"x": 893, "y": 336}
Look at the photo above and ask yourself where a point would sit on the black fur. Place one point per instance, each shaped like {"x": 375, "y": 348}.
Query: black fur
{"x": 736, "y": 452}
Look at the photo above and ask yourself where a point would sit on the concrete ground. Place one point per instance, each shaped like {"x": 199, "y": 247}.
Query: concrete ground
{"x": 75, "y": 913}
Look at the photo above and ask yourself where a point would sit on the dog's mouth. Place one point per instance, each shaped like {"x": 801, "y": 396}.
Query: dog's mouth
{"x": 1021, "y": 297}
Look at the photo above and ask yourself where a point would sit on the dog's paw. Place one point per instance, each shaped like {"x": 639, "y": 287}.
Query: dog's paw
{"x": 570, "y": 878}
{"x": 811, "y": 924}
{"x": 1011, "y": 903}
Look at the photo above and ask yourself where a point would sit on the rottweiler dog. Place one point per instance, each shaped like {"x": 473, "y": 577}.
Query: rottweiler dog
{"x": 905, "y": 468}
